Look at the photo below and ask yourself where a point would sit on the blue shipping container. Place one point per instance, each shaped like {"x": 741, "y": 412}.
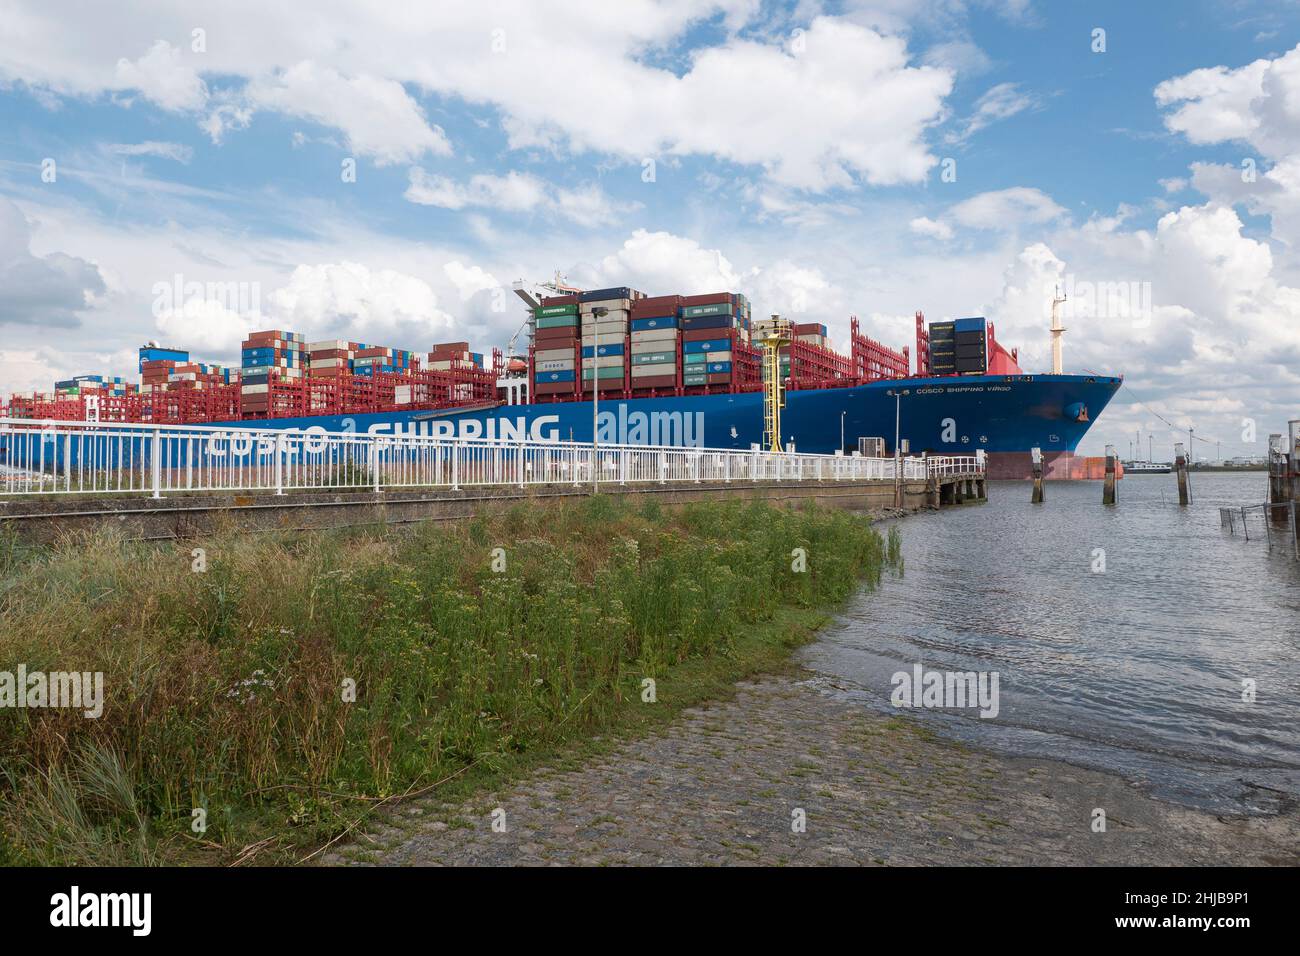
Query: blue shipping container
{"x": 604, "y": 350}
{"x": 712, "y": 345}
{"x": 691, "y": 324}
{"x": 655, "y": 322}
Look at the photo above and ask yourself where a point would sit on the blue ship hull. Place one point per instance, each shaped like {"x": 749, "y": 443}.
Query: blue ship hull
{"x": 948, "y": 415}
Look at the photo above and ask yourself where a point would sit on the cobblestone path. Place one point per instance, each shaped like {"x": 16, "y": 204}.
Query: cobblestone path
{"x": 727, "y": 784}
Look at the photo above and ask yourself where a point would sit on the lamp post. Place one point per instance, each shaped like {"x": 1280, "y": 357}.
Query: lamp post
{"x": 842, "y": 432}
{"x": 597, "y": 313}
{"x": 898, "y": 398}
{"x": 898, "y": 458}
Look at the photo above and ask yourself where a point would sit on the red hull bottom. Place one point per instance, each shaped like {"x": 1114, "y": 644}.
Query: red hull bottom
{"x": 1057, "y": 466}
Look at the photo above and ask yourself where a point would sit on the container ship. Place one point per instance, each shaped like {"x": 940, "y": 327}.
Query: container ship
{"x": 681, "y": 370}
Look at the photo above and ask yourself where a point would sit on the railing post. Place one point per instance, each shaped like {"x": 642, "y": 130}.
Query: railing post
{"x": 622, "y": 466}
{"x": 455, "y": 466}
{"x": 523, "y": 471}
{"x": 279, "y": 463}
{"x": 373, "y": 458}
{"x": 663, "y": 466}
{"x": 156, "y": 469}
{"x": 726, "y": 466}
{"x": 695, "y": 467}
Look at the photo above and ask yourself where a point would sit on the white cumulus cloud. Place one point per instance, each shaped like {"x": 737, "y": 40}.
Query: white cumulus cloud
{"x": 163, "y": 77}
{"x": 924, "y": 226}
{"x": 1006, "y": 209}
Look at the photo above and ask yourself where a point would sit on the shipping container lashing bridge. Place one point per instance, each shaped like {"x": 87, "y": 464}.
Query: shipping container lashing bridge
{"x": 89, "y": 465}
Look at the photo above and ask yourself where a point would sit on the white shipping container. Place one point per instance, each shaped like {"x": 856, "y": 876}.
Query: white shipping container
{"x": 653, "y": 335}
{"x": 613, "y": 305}
{"x": 557, "y": 365}
{"x": 328, "y": 345}
{"x": 604, "y": 361}
{"x": 640, "y": 371}
{"x": 402, "y": 395}
{"x": 605, "y": 329}
{"x": 254, "y": 389}
{"x": 551, "y": 355}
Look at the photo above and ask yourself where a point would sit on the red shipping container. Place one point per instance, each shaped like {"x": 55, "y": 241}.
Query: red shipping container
{"x": 654, "y": 381}
{"x": 657, "y": 305}
{"x": 706, "y": 335}
{"x": 549, "y": 300}
{"x": 554, "y": 388}
{"x": 267, "y": 335}
{"x": 709, "y": 298}
{"x": 561, "y": 336}
{"x": 449, "y": 347}
{"x": 720, "y": 378}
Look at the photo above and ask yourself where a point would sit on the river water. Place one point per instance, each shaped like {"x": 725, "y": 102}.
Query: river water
{"x": 1138, "y": 668}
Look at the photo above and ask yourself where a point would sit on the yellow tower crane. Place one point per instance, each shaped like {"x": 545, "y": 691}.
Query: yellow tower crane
{"x": 773, "y": 335}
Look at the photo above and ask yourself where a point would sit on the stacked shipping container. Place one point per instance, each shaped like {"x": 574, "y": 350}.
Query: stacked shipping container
{"x": 555, "y": 346}
{"x": 959, "y": 347}
{"x": 269, "y": 357}
{"x": 713, "y": 325}
{"x": 604, "y": 316}
{"x": 654, "y": 337}
{"x": 331, "y": 358}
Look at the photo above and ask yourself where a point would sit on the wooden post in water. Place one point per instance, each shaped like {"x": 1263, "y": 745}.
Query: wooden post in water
{"x": 1108, "y": 489}
{"x": 1037, "y": 456}
{"x": 1180, "y": 466}
{"x": 1292, "y": 483}
{"x": 1277, "y": 468}
{"x": 1292, "y": 478}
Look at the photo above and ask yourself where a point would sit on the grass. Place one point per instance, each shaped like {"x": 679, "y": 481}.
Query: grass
{"x": 300, "y": 680}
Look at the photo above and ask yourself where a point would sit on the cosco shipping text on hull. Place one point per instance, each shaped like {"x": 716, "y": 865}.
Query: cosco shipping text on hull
{"x": 1000, "y": 414}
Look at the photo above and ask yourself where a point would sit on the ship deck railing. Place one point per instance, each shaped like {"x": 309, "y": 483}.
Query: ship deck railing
{"x": 66, "y": 458}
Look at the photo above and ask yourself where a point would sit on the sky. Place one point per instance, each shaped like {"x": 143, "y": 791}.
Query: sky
{"x": 385, "y": 172}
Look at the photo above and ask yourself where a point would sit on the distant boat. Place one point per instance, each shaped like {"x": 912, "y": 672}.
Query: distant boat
{"x": 1147, "y": 468}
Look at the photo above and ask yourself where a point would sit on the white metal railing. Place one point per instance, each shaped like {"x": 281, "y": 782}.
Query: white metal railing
{"x": 106, "y": 458}
{"x": 954, "y": 465}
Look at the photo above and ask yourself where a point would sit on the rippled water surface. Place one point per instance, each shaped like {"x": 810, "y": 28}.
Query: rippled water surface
{"x": 1138, "y": 669}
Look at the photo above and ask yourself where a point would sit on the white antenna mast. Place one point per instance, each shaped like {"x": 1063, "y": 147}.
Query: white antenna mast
{"x": 1057, "y": 329}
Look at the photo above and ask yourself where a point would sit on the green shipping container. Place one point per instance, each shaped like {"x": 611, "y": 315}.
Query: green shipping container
{"x": 694, "y": 358}
{"x": 694, "y": 378}
{"x": 546, "y": 311}
{"x": 558, "y": 322}
{"x": 651, "y": 358}
{"x": 613, "y": 371}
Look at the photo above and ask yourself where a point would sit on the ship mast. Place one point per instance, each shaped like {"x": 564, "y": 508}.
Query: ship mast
{"x": 1057, "y": 329}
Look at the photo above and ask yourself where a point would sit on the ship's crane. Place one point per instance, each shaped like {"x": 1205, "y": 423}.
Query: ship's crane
{"x": 1057, "y": 331}
{"x": 525, "y": 290}
{"x": 774, "y": 335}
